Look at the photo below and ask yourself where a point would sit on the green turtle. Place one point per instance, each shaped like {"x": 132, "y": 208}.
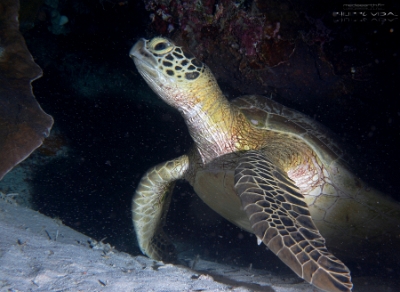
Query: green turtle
{"x": 266, "y": 168}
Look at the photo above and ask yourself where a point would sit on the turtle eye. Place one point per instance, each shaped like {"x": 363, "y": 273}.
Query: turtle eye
{"x": 160, "y": 46}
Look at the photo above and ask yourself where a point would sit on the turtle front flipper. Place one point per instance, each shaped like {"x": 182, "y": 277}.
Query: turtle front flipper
{"x": 150, "y": 205}
{"x": 280, "y": 218}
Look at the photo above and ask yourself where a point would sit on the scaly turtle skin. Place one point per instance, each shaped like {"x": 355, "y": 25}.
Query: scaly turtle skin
{"x": 266, "y": 168}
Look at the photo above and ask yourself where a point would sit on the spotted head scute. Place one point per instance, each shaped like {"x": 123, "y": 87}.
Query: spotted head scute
{"x": 169, "y": 59}
{"x": 169, "y": 70}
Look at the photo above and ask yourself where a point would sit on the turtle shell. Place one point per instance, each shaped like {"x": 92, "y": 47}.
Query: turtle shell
{"x": 342, "y": 206}
{"x": 267, "y": 114}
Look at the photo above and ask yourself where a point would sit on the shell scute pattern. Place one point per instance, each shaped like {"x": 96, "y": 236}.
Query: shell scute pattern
{"x": 274, "y": 116}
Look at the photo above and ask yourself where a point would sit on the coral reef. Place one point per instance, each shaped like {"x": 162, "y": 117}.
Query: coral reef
{"x": 256, "y": 46}
{"x": 23, "y": 124}
{"x": 230, "y": 23}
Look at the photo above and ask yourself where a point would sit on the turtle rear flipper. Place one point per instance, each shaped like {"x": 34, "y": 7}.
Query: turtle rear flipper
{"x": 150, "y": 205}
{"x": 280, "y": 218}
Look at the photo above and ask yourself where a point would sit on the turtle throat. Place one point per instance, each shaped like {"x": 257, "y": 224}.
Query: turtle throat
{"x": 210, "y": 125}
{"x": 188, "y": 85}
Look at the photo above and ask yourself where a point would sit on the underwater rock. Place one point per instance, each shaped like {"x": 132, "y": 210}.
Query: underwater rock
{"x": 23, "y": 123}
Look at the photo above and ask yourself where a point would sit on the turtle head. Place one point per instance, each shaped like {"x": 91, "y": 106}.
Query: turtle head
{"x": 175, "y": 75}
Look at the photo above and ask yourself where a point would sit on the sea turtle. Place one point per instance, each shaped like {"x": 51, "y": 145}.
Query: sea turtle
{"x": 266, "y": 168}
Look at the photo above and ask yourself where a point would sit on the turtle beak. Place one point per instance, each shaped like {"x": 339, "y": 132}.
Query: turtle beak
{"x": 144, "y": 60}
{"x": 137, "y": 48}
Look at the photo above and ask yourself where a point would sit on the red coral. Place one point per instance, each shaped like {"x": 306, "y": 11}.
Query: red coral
{"x": 208, "y": 6}
{"x": 249, "y": 32}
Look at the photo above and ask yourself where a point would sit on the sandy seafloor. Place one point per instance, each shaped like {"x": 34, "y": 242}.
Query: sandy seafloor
{"x": 38, "y": 253}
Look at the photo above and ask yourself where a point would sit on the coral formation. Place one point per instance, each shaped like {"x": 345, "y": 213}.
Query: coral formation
{"x": 243, "y": 40}
{"x": 236, "y": 24}
{"x": 23, "y": 124}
